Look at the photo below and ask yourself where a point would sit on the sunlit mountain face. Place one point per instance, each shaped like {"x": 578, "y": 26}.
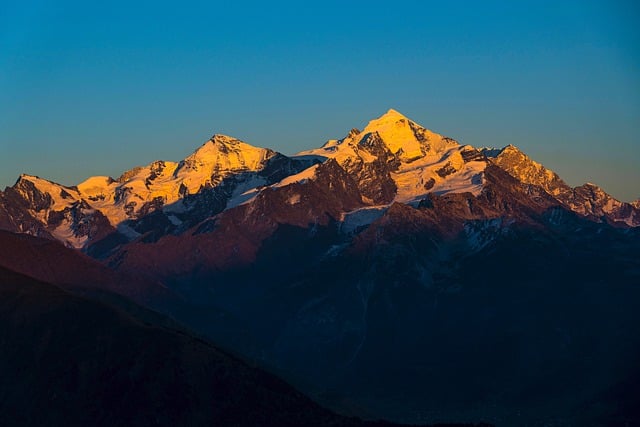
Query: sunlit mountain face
{"x": 394, "y": 273}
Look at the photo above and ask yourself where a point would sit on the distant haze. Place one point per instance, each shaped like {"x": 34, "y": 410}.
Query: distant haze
{"x": 86, "y": 90}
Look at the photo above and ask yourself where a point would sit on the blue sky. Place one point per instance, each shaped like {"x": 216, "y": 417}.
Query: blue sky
{"x": 88, "y": 90}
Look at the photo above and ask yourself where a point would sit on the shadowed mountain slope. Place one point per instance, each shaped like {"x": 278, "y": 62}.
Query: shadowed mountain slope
{"x": 69, "y": 361}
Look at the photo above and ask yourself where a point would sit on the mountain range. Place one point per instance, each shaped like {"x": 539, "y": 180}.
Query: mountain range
{"x": 394, "y": 273}
{"x": 393, "y": 159}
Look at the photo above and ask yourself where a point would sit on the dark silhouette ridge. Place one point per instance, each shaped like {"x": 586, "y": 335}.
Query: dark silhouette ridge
{"x": 68, "y": 361}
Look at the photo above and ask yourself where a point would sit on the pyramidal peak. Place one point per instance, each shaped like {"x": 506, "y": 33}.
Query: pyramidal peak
{"x": 405, "y": 137}
{"x": 391, "y": 117}
{"x": 393, "y": 114}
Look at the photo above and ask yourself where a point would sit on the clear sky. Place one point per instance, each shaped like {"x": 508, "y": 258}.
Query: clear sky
{"x": 95, "y": 88}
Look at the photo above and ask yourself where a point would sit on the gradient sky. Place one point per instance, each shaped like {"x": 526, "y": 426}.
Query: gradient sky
{"x": 88, "y": 90}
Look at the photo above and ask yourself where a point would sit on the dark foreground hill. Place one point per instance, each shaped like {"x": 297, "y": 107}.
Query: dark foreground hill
{"x": 70, "y": 361}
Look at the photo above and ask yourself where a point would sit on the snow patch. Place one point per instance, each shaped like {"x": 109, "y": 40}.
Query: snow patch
{"x": 245, "y": 190}
{"x": 65, "y": 234}
{"x": 439, "y": 174}
{"x": 355, "y": 219}
{"x": 300, "y": 178}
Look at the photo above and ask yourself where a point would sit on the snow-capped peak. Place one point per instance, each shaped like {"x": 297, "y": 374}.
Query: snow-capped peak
{"x": 392, "y": 114}
{"x": 523, "y": 168}
{"x": 406, "y": 138}
{"x": 394, "y": 158}
{"x": 223, "y": 149}
{"x": 146, "y": 188}
{"x": 217, "y": 158}
{"x": 57, "y": 193}
{"x": 34, "y": 179}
